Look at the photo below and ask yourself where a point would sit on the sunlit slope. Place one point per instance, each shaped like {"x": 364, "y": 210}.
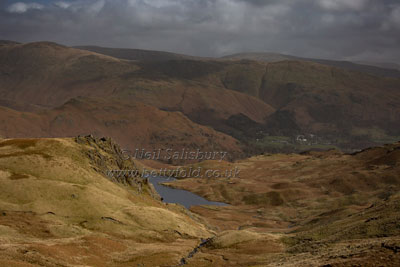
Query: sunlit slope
{"x": 326, "y": 208}
{"x": 278, "y": 191}
{"x": 54, "y": 199}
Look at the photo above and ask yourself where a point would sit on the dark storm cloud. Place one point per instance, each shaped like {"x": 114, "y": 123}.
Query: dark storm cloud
{"x": 340, "y": 29}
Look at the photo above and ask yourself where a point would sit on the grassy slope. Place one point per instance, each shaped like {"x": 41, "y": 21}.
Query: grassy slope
{"x": 316, "y": 208}
{"x": 53, "y": 203}
{"x": 331, "y": 206}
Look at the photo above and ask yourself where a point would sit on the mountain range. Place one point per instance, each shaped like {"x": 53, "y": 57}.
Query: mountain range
{"x": 247, "y": 100}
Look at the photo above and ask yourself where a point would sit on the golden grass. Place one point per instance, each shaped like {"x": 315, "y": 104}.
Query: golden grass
{"x": 63, "y": 198}
{"x": 20, "y": 143}
{"x": 18, "y": 176}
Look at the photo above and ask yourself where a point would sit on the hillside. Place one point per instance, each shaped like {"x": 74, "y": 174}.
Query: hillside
{"x": 327, "y": 208}
{"x": 384, "y": 70}
{"x": 134, "y": 125}
{"x": 298, "y": 90}
{"x": 135, "y": 54}
{"x": 41, "y": 78}
{"x": 258, "y": 103}
{"x": 58, "y": 208}
{"x": 332, "y": 103}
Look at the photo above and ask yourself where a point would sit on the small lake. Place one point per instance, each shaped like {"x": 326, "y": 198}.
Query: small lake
{"x": 183, "y": 197}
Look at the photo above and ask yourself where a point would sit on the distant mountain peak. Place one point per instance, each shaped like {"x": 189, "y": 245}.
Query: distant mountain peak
{"x": 385, "y": 70}
{"x": 260, "y": 56}
{"x": 8, "y": 42}
{"x": 44, "y": 44}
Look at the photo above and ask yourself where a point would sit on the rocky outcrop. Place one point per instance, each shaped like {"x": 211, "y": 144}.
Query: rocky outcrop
{"x": 107, "y": 158}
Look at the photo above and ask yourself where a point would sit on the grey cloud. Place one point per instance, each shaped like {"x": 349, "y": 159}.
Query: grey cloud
{"x": 343, "y": 4}
{"x": 339, "y": 29}
{"x": 21, "y": 7}
{"x": 62, "y": 4}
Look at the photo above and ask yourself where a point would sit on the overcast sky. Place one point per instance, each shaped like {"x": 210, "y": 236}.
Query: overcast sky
{"x": 336, "y": 29}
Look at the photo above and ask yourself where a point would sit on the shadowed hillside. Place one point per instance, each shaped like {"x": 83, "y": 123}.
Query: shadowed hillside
{"x": 385, "y": 70}
{"x": 135, "y": 125}
{"x": 135, "y": 54}
{"x": 39, "y": 78}
{"x": 278, "y": 101}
